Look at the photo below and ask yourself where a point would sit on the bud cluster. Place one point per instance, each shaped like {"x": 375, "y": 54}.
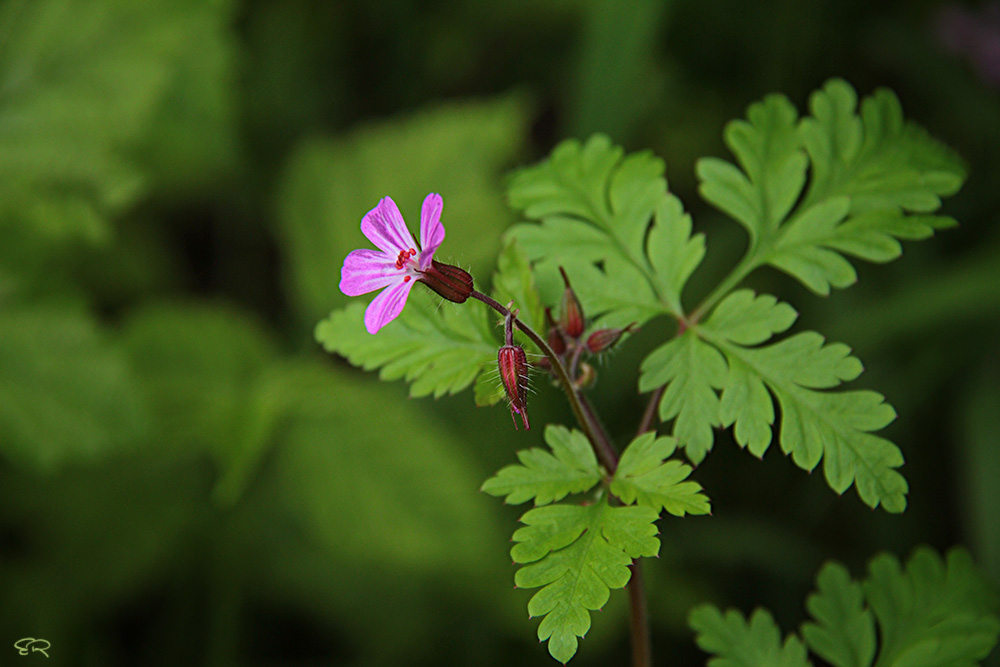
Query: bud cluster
{"x": 567, "y": 340}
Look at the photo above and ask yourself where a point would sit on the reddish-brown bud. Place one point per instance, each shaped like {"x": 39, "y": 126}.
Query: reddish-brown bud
{"x": 449, "y": 281}
{"x": 571, "y": 320}
{"x": 602, "y": 339}
{"x": 514, "y": 374}
{"x": 554, "y": 337}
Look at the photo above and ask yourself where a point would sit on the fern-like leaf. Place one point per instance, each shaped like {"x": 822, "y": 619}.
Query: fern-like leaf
{"x": 644, "y": 476}
{"x": 438, "y": 347}
{"x": 596, "y": 207}
{"x": 692, "y": 371}
{"x": 843, "y": 632}
{"x": 875, "y": 179}
{"x": 544, "y": 477}
{"x": 577, "y": 554}
{"x": 834, "y": 426}
{"x": 933, "y": 613}
{"x": 737, "y": 642}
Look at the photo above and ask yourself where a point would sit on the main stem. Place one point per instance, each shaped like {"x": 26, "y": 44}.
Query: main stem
{"x": 599, "y": 440}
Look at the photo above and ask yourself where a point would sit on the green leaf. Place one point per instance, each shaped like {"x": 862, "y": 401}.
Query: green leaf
{"x": 748, "y": 319}
{"x": 67, "y": 392}
{"x": 83, "y": 83}
{"x": 544, "y": 477}
{"x": 843, "y": 633}
{"x": 577, "y": 554}
{"x": 488, "y": 389}
{"x": 595, "y": 206}
{"x": 738, "y": 643}
{"x": 644, "y": 476}
{"x": 213, "y": 382}
{"x": 438, "y": 347}
{"x": 196, "y": 126}
{"x": 692, "y": 370}
{"x": 933, "y": 612}
{"x": 768, "y": 149}
{"x": 870, "y": 171}
{"x": 834, "y": 426}
{"x": 674, "y": 252}
{"x": 876, "y": 158}
{"x": 457, "y": 150}
{"x": 514, "y": 281}
{"x": 380, "y": 484}
{"x": 875, "y": 179}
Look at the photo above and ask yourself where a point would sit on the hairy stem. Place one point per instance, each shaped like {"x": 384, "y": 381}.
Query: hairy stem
{"x": 603, "y": 443}
{"x": 606, "y": 454}
{"x": 584, "y": 416}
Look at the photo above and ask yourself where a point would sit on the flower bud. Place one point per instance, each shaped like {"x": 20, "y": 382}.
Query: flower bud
{"x": 514, "y": 374}
{"x": 571, "y": 321}
{"x": 448, "y": 281}
{"x": 603, "y": 339}
{"x": 554, "y": 337}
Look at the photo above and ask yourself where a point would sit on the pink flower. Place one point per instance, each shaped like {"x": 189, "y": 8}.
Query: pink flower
{"x": 400, "y": 262}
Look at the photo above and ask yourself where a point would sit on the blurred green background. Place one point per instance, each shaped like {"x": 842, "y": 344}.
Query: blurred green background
{"x": 187, "y": 480}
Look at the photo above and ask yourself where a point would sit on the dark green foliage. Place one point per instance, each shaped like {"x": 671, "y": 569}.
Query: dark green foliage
{"x": 934, "y": 613}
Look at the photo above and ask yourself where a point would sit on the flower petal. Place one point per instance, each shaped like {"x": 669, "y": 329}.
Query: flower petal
{"x": 366, "y": 271}
{"x": 384, "y": 226}
{"x": 387, "y": 305}
{"x": 431, "y": 229}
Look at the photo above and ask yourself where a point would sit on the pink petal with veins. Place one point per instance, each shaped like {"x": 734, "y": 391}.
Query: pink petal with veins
{"x": 384, "y": 226}
{"x": 387, "y": 305}
{"x": 431, "y": 229}
{"x": 366, "y": 271}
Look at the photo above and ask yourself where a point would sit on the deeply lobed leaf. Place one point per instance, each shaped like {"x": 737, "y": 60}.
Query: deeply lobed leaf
{"x": 644, "y": 476}
{"x": 933, "y": 613}
{"x": 577, "y": 553}
{"x": 439, "y": 348}
{"x": 874, "y": 179}
{"x": 843, "y": 632}
{"x": 544, "y": 477}
{"x": 692, "y": 371}
{"x": 833, "y": 426}
{"x": 739, "y": 643}
{"x": 608, "y": 219}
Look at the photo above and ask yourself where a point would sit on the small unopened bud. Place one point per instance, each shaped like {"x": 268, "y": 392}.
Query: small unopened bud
{"x": 544, "y": 364}
{"x": 571, "y": 321}
{"x": 514, "y": 374}
{"x": 449, "y": 281}
{"x": 603, "y": 339}
{"x": 554, "y": 337}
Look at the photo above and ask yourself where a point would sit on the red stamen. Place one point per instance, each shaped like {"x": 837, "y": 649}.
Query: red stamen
{"x": 403, "y": 257}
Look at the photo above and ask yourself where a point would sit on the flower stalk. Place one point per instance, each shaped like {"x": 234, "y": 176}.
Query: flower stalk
{"x": 595, "y": 434}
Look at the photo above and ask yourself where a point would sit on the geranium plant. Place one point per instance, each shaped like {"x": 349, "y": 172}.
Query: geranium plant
{"x": 605, "y": 248}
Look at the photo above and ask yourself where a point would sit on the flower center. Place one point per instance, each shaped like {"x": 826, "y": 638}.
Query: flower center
{"x": 404, "y": 257}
